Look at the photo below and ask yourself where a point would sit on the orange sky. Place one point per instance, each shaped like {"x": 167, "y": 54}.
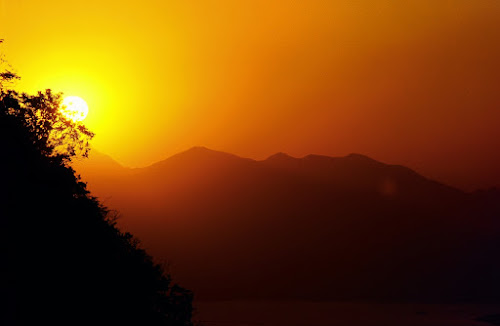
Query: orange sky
{"x": 407, "y": 82}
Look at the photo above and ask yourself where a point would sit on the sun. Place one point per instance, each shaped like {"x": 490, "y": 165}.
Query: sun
{"x": 74, "y": 108}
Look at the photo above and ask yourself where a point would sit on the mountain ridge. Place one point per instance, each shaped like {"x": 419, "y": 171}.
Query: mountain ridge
{"x": 365, "y": 228}
{"x": 83, "y": 165}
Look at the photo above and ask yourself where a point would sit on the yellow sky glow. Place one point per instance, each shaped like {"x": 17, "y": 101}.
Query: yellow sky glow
{"x": 256, "y": 77}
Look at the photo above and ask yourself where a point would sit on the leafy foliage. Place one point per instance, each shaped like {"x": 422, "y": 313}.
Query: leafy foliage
{"x": 52, "y": 133}
{"x": 6, "y": 74}
{"x": 64, "y": 259}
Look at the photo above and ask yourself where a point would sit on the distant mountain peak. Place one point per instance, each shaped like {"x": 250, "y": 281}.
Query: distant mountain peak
{"x": 199, "y": 149}
{"x": 202, "y": 151}
{"x": 199, "y": 156}
{"x": 359, "y": 156}
{"x": 98, "y": 164}
{"x": 280, "y": 156}
{"x": 362, "y": 159}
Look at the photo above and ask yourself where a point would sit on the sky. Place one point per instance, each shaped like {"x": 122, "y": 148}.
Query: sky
{"x": 405, "y": 82}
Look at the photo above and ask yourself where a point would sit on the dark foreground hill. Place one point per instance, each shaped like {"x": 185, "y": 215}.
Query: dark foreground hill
{"x": 63, "y": 261}
{"x": 336, "y": 228}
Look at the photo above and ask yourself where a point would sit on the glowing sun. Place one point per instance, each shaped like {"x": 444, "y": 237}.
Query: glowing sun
{"x": 74, "y": 108}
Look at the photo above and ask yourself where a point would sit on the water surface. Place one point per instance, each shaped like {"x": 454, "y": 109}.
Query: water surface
{"x": 287, "y": 313}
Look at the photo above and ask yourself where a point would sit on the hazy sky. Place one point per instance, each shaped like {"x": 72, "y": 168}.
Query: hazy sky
{"x": 407, "y": 82}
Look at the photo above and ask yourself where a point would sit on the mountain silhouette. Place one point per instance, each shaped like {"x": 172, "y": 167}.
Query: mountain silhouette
{"x": 317, "y": 227}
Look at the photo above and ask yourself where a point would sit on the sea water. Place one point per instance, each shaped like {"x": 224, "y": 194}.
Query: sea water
{"x": 287, "y": 313}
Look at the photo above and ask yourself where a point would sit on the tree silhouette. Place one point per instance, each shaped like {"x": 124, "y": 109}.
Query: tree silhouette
{"x": 63, "y": 260}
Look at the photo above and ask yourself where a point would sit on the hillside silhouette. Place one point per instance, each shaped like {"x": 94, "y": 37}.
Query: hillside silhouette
{"x": 317, "y": 227}
{"x": 64, "y": 261}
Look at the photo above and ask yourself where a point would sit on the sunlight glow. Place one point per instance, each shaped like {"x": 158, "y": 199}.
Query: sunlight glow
{"x": 74, "y": 108}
